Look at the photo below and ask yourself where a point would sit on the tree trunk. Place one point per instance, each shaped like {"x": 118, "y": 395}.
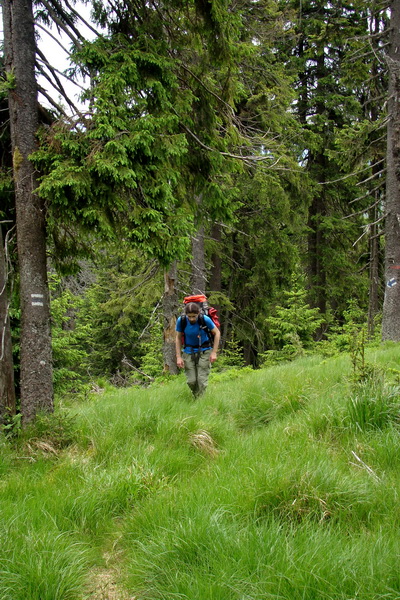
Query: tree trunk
{"x": 375, "y": 260}
{"x": 36, "y": 356}
{"x": 316, "y": 241}
{"x": 170, "y": 309}
{"x": 198, "y": 263}
{"x": 216, "y": 262}
{"x": 318, "y": 209}
{"x": 7, "y": 389}
{"x": 391, "y": 306}
{"x": 374, "y": 279}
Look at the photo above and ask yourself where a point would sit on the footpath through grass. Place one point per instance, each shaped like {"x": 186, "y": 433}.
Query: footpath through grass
{"x": 282, "y": 483}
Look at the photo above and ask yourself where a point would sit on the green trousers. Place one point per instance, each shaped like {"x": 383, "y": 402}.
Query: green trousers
{"x": 197, "y": 370}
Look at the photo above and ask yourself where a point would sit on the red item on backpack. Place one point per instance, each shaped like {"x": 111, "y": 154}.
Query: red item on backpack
{"x": 209, "y": 311}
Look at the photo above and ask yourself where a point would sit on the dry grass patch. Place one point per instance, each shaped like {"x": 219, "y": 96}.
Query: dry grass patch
{"x": 202, "y": 440}
{"x": 104, "y": 586}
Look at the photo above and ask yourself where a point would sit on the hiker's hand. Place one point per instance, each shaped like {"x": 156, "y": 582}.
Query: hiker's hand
{"x": 179, "y": 362}
{"x": 213, "y": 357}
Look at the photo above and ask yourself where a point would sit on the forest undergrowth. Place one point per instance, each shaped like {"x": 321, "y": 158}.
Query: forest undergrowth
{"x": 280, "y": 483}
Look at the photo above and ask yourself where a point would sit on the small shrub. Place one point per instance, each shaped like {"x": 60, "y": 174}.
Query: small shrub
{"x": 230, "y": 357}
{"x": 69, "y": 355}
{"x": 12, "y": 426}
{"x": 352, "y": 337}
{"x": 293, "y": 326}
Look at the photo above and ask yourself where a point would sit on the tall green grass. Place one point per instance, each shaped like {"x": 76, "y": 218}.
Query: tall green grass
{"x": 40, "y": 563}
{"x": 281, "y": 483}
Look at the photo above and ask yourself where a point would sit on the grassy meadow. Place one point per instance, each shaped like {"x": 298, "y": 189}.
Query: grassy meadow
{"x": 278, "y": 484}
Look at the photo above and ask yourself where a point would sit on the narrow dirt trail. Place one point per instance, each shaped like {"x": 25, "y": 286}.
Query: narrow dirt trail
{"x": 104, "y": 586}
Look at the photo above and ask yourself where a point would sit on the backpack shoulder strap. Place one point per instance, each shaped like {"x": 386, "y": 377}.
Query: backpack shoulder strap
{"x": 182, "y": 317}
{"x": 202, "y": 322}
{"x": 203, "y": 325}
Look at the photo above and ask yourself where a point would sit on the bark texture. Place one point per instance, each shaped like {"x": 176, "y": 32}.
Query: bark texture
{"x": 170, "y": 310}
{"x": 374, "y": 273}
{"x": 391, "y": 306}
{"x": 216, "y": 262}
{"x": 36, "y": 356}
{"x": 198, "y": 263}
{"x": 7, "y": 389}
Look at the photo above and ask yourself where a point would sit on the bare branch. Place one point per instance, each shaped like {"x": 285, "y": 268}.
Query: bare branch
{"x": 77, "y": 14}
{"x": 368, "y": 227}
{"x": 364, "y": 210}
{"x": 125, "y": 361}
{"x": 249, "y": 159}
{"x": 374, "y": 175}
{"x": 58, "y": 85}
{"x": 369, "y": 193}
{"x": 354, "y": 173}
{"x": 51, "y": 100}
{"x": 156, "y": 308}
{"x": 60, "y": 90}
{"x": 53, "y": 37}
{"x": 59, "y": 23}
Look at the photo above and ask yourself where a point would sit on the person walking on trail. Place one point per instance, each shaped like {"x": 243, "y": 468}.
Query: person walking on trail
{"x": 201, "y": 341}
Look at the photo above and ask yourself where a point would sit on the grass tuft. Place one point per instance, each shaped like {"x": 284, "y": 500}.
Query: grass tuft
{"x": 374, "y": 406}
{"x": 202, "y": 440}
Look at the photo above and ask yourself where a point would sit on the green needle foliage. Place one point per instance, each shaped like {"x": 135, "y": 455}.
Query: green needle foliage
{"x": 160, "y": 96}
{"x": 175, "y": 99}
{"x": 117, "y": 175}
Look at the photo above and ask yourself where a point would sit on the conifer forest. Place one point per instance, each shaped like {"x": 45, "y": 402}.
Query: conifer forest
{"x": 245, "y": 149}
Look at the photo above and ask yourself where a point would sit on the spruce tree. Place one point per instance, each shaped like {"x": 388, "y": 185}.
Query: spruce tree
{"x": 327, "y": 105}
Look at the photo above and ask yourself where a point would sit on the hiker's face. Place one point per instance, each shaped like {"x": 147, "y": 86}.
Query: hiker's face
{"x": 192, "y": 317}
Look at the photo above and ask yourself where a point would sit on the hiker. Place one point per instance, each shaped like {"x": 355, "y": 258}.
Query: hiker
{"x": 199, "y": 348}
